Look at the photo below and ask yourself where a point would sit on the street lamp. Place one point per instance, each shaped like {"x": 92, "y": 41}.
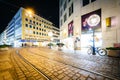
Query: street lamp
{"x": 30, "y": 12}
{"x": 93, "y": 21}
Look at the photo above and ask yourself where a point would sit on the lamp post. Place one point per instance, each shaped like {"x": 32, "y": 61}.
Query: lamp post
{"x": 93, "y": 21}
{"x": 93, "y": 42}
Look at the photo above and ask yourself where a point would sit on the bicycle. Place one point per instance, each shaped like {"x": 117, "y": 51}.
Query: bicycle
{"x": 100, "y": 51}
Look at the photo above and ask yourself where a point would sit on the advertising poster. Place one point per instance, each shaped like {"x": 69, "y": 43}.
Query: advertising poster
{"x": 85, "y": 19}
{"x": 70, "y": 29}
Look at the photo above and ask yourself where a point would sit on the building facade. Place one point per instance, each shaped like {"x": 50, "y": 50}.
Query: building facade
{"x": 28, "y": 29}
{"x": 56, "y": 34}
{"x": 3, "y": 38}
{"x": 79, "y": 19}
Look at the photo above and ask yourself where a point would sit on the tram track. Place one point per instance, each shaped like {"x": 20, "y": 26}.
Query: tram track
{"x": 93, "y": 72}
{"x": 25, "y": 70}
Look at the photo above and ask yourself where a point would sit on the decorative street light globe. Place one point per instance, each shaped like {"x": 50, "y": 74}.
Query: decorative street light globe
{"x": 93, "y": 20}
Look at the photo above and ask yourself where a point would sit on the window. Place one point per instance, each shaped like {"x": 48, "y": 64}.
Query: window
{"x": 65, "y": 17}
{"x": 33, "y": 32}
{"x": 42, "y": 21}
{"x": 85, "y": 2}
{"x": 44, "y": 26}
{"x": 37, "y": 28}
{"x": 69, "y": 0}
{"x": 37, "y": 23}
{"x": 34, "y": 17}
{"x": 26, "y": 25}
{"x": 30, "y": 21}
{"x": 40, "y": 33}
{"x": 36, "y": 32}
{"x": 65, "y": 5}
{"x": 45, "y": 22}
{"x": 40, "y": 24}
{"x": 61, "y": 2}
{"x": 61, "y": 12}
{"x": 71, "y": 9}
{"x": 61, "y": 22}
{"x": 34, "y": 27}
{"x": 40, "y": 29}
{"x": 34, "y": 22}
{"x": 30, "y": 26}
{"x": 26, "y": 19}
{"x": 93, "y": 0}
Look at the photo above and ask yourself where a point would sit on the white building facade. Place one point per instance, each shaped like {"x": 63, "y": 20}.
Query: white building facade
{"x": 77, "y": 15}
{"x": 28, "y": 29}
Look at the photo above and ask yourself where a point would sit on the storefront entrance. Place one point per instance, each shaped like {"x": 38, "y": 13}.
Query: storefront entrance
{"x": 87, "y": 39}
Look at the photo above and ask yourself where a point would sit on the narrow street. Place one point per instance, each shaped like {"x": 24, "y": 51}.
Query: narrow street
{"x": 47, "y": 64}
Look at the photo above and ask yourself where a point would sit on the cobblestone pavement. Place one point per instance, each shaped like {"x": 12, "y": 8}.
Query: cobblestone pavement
{"x": 23, "y": 70}
{"x": 53, "y": 64}
{"x": 5, "y": 66}
{"x": 56, "y": 65}
{"x": 13, "y": 67}
{"x": 103, "y": 65}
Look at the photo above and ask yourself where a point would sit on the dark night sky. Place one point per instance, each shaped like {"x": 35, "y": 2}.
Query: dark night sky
{"x": 48, "y": 9}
